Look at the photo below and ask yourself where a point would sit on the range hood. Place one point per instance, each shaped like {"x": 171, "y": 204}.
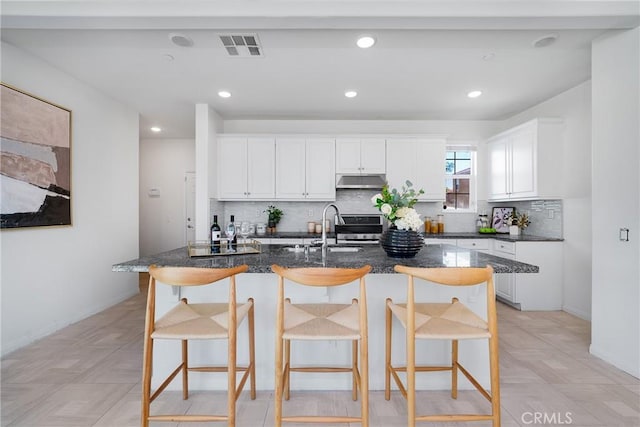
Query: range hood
{"x": 373, "y": 182}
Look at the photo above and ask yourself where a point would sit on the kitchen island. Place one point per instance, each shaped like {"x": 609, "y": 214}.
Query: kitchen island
{"x": 382, "y": 283}
{"x": 440, "y": 255}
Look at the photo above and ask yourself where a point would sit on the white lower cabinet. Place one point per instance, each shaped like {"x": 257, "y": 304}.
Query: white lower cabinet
{"x": 531, "y": 291}
{"x": 505, "y": 282}
{"x": 482, "y": 245}
{"x": 526, "y": 291}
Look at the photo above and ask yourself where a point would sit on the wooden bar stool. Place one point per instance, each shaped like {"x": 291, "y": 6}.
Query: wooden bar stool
{"x": 199, "y": 321}
{"x": 444, "y": 321}
{"x": 323, "y": 321}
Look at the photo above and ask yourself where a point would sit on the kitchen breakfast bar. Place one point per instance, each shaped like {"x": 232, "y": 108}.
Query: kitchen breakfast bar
{"x": 260, "y": 284}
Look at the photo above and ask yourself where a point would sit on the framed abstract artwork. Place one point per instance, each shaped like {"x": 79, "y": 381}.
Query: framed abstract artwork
{"x": 35, "y": 156}
{"x": 499, "y": 217}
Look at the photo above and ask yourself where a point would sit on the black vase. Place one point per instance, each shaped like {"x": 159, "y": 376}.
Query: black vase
{"x": 401, "y": 243}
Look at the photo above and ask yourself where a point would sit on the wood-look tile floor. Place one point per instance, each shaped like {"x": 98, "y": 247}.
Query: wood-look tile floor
{"x": 88, "y": 374}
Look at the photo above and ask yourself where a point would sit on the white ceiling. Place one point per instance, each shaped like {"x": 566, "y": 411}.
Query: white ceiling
{"x": 428, "y": 55}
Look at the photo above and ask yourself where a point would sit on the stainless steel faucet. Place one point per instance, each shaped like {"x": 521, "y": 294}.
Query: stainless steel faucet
{"x": 323, "y": 240}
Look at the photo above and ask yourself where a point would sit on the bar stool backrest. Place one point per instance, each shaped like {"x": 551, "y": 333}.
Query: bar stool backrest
{"x": 192, "y": 276}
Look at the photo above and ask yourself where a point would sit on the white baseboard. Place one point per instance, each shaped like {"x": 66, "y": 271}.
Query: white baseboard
{"x": 612, "y": 359}
{"x": 54, "y": 327}
{"x": 577, "y": 312}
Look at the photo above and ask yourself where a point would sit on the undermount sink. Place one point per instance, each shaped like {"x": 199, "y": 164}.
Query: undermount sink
{"x": 300, "y": 249}
{"x": 344, "y": 248}
{"x": 330, "y": 249}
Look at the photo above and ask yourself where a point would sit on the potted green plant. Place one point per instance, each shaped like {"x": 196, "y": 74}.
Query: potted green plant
{"x": 275, "y": 214}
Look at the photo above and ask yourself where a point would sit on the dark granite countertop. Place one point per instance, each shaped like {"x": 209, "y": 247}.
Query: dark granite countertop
{"x": 441, "y": 255}
{"x": 498, "y": 236}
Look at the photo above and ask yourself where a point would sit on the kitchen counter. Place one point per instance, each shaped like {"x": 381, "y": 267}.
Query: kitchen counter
{"x": 439, "y": 255}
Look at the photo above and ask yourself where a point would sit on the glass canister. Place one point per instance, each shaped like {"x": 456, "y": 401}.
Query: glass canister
{"x": 434, "y": 226}
{"x": 427, "y": 225}
{"x": 261, "y": 229}
{"x": 440, "y": 224}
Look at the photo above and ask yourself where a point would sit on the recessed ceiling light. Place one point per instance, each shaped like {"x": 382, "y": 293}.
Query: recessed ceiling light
{"x": 224, "y": 94}
{"x": 180, "y": 40}
{"x": 489, "y": 56}
{"x": 155, "y": 129}
{"x": 365, "y": 42}
{"x": 545, "y": 41}
{"x": 474, "y": 93}
{"x": 167, "y": 57}
{"x": 351, "y": 94}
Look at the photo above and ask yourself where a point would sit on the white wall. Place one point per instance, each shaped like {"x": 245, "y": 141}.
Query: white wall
{"x": 52, "y": 277}
{"x": 163, "y": 164}
{"x": 208, "y": 125}
{"x": 615, "y": 332}
{"x": 574, "y": 106}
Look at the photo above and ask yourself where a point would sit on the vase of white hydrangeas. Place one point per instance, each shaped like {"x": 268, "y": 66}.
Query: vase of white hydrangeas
{"x": 401, "y": 239}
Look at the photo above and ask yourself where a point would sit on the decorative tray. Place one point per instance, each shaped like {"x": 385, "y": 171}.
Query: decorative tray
{"x": 203, "y": 248}
{"x": 488, "y": 231}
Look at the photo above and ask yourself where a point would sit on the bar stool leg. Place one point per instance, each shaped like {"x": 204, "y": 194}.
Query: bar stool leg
{"x": 252, "y": 349}
{"x": 364, "y": 380}
{"x": 411, "y": 356}
{"x": 146, "y": 381}
{"x": 279, "y": 357}
{"x": 354, "y": 365}
{"x": 495, "y": 381}
{"x": 185, "y": 372}
{"x": 387, "y": 354}
{"x": 454, "y": 369}
{"x": 354, "y": 370}
{"x": 287, "y": 369}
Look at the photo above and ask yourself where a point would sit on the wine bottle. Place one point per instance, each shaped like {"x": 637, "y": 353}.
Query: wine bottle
{"x": 215, "y": 236}
{"x": 234, "y": 240}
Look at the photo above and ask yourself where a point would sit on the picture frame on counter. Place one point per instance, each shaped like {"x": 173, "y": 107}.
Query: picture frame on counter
{"x": 500, "y": 217}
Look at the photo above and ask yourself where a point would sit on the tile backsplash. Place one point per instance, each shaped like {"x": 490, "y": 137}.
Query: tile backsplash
{"x": 545, "y": 215}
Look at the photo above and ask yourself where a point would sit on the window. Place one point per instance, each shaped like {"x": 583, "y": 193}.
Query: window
{"x": 459, "y": 179}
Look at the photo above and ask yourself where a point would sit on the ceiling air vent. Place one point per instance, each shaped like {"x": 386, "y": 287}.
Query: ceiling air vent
{"x": 242, "y": 45}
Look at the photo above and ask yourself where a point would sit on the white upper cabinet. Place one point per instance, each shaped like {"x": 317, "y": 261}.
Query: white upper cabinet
{"x": 246, "y": 168}
{"x": 360, "y": 155}
{"x": 419, "y": 160}
{"x": 305, "y": 168}
{"x": 526, "y": 162}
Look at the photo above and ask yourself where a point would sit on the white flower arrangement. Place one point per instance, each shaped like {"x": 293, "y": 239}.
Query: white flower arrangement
{"x": 397, "y": 207}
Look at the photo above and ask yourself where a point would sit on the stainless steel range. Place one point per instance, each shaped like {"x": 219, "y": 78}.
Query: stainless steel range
{"x": 361, "y": 228}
